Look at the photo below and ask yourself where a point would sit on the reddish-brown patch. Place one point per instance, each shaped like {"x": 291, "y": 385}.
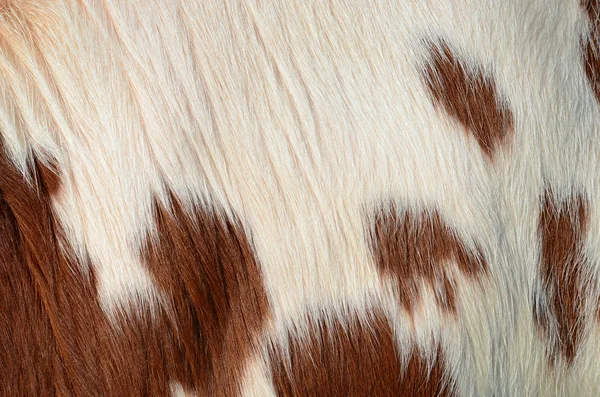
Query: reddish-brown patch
{"x": 591, "y": 44}
{"x": 469, "y": 97}
{"x": 31, "y": 345}
{"x": 353, "y": 360}
{"x": 415, "y": 248}
{"x": 207, "y": 266}
{"x": 27, "y": 347}
{"x": 562, "y": 228}
{"x": 590, "y": 7}
{"x": 55, "y": 338}
{"x": 51, "y": 177}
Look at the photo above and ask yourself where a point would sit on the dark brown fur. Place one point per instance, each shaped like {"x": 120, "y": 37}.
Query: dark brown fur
{"x": 562, "y": 228}
{"x": 470, "y": 98}
{"x": 591, "y": 47}
{"x": 355, "y": 360}
{"x": 412, "y": 248}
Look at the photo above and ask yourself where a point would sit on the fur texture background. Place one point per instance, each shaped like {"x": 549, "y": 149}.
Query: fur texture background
{"x": 299, "y": 198}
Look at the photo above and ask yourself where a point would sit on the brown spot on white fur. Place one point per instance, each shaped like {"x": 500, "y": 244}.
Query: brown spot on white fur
{"x": 355, "y": 358}
{"x": 56, "y": 339}
{"x": 591, "y": 44}
{"x": 469, "y": 97}
{"x": 415, "y": 248}
{"x": 562, "y": 228}
{"x": 206, "y": 265}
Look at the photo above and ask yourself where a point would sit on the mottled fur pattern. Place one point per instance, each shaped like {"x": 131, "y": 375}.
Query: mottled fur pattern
{"x": 299, "y": 198}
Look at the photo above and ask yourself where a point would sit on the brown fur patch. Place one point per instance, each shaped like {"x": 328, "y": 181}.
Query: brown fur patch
{"x": 32, "y": 345}
{"x": 51, "y": 177}
{"x": 415, "y": 248}
{"x": 207, "y": 266}
{"x": 468, "y": 97}
{"x": 591, "y": 44}
{"x": 562, "y": 228}
{"x": 591, "y": 9}
{"x": 27, "y": 348}
{"x": 353, "y": 360}
{"x": 55, "y": 338}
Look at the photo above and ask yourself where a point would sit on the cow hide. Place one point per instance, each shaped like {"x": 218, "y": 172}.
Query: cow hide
{"x": 286, "y": 198}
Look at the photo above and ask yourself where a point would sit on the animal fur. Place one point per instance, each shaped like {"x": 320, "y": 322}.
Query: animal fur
{"x": 299, "y": 198}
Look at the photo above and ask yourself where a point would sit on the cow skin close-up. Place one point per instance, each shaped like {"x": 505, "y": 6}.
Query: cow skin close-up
{"x": 298, "y": 198}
